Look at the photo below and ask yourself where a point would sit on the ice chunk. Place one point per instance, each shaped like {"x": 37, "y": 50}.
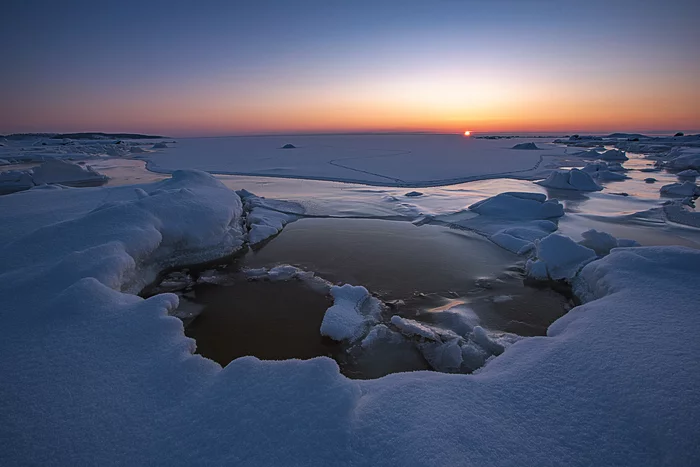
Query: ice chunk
{"x": 686, "y": 188}
{"x": 614, "y": 155}
{"x": 688, "y": 173}
{"x": 354, "y": 310}
{"x": 266, "y": 218}
{"x": 603, "y": 242}
{"x": 58, "y": 171}
{"x": 558, "y": 258}
{"x": 413, "y": 194}
{"x": 517, "y": 205}
{"x": 413, "y": 328}
{"x": 573, "y": 179}
{"x": 443, "y": 356}
{"x": 605, "y": 172}
{"x": 525, "y": 146}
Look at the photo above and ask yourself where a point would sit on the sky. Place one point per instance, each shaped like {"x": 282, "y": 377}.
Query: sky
{"x": 214, "y": 68}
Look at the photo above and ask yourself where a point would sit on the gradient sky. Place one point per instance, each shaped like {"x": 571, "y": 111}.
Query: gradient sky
{"x": 238, "y": 67}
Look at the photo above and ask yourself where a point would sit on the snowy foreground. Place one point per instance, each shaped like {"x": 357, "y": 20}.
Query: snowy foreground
{"x": 96, "y": 375}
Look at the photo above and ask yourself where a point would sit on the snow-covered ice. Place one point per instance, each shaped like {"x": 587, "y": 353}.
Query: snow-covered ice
{"x": 573, "y": 179}
{"x": 558, "y": 257}
{"x": 354, "y": 310}
{"x": 603, "y": 242}
{"x": 51, "y": 172}
{"x": 683, "y": 189}
{"x": 386, "y": 160}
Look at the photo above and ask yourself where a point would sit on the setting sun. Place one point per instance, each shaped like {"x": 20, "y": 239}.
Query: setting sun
{"x": 467, "y": 133}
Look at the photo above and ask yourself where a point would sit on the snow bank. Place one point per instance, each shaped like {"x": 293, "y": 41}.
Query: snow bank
{"x": 189, "y": 218}
{"x": 354, "y": 310}
{"x": 603, "y": 242}
{"x": 573, "y": 179}
{"x": 558, "y": 258}
{"x": 686, "y": 188}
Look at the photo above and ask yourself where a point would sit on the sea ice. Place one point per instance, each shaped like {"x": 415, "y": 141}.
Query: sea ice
{"x": 573, "y": 179}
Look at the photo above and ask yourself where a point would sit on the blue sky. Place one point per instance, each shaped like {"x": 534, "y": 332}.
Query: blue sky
{"x": 187, "y": 67}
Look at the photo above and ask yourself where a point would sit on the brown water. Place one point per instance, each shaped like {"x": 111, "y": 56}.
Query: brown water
{"x": 270, "y": 320}
{"x": 415, "y": 270}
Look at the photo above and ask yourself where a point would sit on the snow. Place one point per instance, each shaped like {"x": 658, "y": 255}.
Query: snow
{"x": 603, "y": 242}
{"x": 573, "y": 179}
{"x": 558, "y": 257}
{"x": 354, "y": 310}
{"x": 614, "y": 382}
{"x": 686, "y": 188}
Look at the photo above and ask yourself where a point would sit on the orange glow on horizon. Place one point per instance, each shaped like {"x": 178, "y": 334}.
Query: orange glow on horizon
{"x": 467, "y": 133}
